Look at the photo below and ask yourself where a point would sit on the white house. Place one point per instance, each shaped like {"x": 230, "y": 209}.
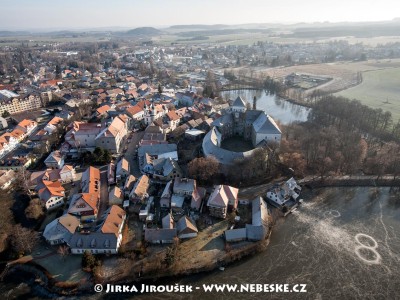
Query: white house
{"x": 284, "y": 193}
{"x": 52, "y": 125}
{"x": 55, "y": 160}
{"x": 51, "y": 193}
{"x": 67, "y": 173}
{"x": 27, "y": 126}
{"x": 111, "y": 137}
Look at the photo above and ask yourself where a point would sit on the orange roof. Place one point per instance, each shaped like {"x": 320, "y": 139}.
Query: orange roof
{"x": 26, "y": 122}
{"x": 123, "y": 117}
{"x": 142, "y": 103}
{"x": 52, "y": 82}
{"x": 55, "y": 188}
{"x": 114, "y": 220}
{"x": 66, "y": 168}
{"x": 17, "y": 133}
{"x": 55, "y": 121}
{"x": 103, "y": 109}
{"x": 41, "y": 132}
{"x": 94, "y": 175}
{"x": 132, "y": 93}
{"x": 173, "y": 116}
{"x": 69, "y": 222}
{"x": 91, "y": 199}
{"x": 142, "y": 186}
{"x": 143, "y": 87}
{"x": 134, "y": 110}
{"x": 5, "y": 137}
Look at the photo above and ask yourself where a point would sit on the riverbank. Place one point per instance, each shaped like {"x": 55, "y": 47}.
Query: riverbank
{"x": 204, "y": 253}
{"x": 351, "y": 181}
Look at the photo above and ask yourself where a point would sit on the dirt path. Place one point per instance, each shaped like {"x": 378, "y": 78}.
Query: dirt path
{"x": 203, "y": 250}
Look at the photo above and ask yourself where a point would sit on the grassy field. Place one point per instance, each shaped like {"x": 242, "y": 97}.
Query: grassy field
{"x": 344, "y": 74}
{"x": 250, "y": 38}
{"x": 379, "y": 89}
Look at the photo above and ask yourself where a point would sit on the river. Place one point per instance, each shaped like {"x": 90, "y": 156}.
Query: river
{"x": 343, "y": 243}
{"x": 280, "y": 109}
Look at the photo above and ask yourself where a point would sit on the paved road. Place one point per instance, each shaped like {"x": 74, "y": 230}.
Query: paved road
{"x": 103, "y": 191}
{"x": 130, "y": 153}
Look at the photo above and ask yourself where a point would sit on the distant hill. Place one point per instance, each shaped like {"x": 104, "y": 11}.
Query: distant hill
{"x": 198, "y": 26}
{"x": 13, "y": 33}
{"x": 144, "y": 31}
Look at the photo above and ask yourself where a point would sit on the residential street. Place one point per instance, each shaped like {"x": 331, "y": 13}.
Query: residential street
{"x": 103, "y": 191}
{"x": 130, "y": 153}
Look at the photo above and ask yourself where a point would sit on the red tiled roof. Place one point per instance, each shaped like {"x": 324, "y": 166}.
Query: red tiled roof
{"x": 173, "y": 116}
{"x": 134, "y": 110}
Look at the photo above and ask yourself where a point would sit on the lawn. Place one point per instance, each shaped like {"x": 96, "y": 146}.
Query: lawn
{"x": 379, "y": 89}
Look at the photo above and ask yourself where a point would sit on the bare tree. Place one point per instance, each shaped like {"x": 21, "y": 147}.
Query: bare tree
{"x": 22, "y": 182}
{"x": 63, "y": 251}
{"x": 35, "y": 209}
{"x": 203, "y": 168}
{"x": 23, "y": 240}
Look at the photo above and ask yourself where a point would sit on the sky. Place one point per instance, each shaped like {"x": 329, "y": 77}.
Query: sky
{"x": 74, "y": 14}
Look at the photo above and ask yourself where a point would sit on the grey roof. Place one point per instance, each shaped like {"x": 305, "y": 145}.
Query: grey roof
{"x": 177, "y": 201}
{"x": 185, "y": 225}
{"x": 165, "y": 166}
{"x": 265, "y": 124}
{"x": 54, "y": 157}
{"x": 61, "y": 228}
{"x": 259, "y": 212}
{"x": 156, "y": 149}
{"x": 167, "y": 190}
{"x": 210, "y": 147}
{"x": 94, "y": 240}
{"x": 223, "y": 120}
{"x": 159, "y": 234}
{"x": 184, "y": 184}
{"x": 235, "y": 234}
{"x": 168, "y": 222}
{"x": 239, "y": 102}
{"x": 252, "y": 115}
{"x": 122, "y": 165}
{"x": 259, "y": 227}
{"x": 255, "y": 233}
{"x": 194, "y": 132}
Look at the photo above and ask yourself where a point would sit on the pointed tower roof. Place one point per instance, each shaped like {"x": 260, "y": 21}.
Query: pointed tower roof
{"x": 239, "y": 102}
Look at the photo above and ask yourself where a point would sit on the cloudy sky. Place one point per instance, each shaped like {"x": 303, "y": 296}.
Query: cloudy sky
{"x": 57, "y": 14}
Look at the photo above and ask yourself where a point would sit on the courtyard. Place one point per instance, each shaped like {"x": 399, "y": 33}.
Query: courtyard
{"x": 236, "y": 144}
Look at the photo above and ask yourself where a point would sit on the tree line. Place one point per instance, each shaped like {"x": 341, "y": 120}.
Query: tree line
{"x": 313, "y": 148}
{"x": 353, "y": 115}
